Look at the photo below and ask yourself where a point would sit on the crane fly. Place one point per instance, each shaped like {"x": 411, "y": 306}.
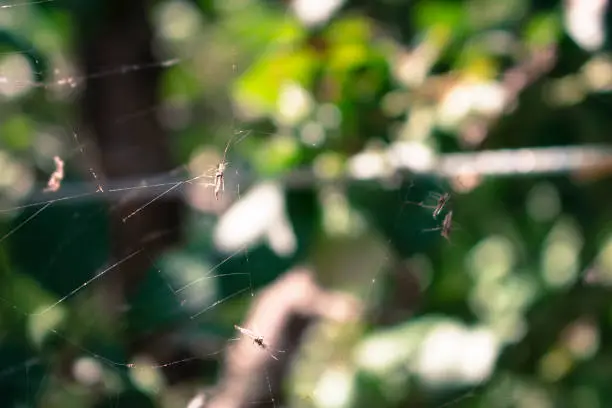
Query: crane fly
{"x": 219, "y": 178}
{"x": 442, "y": 202}
{"x": 258, "y": 340}
{"x": 447, "y": 226}
{"x": 219, "y": 183}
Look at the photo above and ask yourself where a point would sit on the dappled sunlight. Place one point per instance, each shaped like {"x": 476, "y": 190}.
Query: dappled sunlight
{"x": 18, "y": 69}
{"x": 15, "y": 179}
{"x": 334, "y": 389}
{"x": 369, "y": 165}
{"x": 560, "y": 263}
{"x": 381, "y": 354}
{"x": 178, "y": 20}
{"x": 603, "y": 274}
{"x": 454, "y": 354}
{"x": 338, "y": 217}
{"x": 470, "y": 98}
{"x": 294, "y": 104}
{"x": 584, "y": 20}
{"x": 87, "y": 371}
{"x": 191, "y": 279}
{"x": 42, "y": 325}
{"x": 582, "y": 338}
{"x": 440, "y": 352}
{"x": 597, "y": 73}
{"x": 315, "y": 12}
{"x": 259, "y": 216}
{"x": 543, "y": 203}
{"x": 145, "y": 376}
{"x": 493, "y": 258}
{"x": 416, "y": 156}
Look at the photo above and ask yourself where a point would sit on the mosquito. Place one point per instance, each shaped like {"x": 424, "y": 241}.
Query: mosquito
{"x": 447, "y": 226}
{"x": 219, "y": 179}
{"x": 258, "y": 340}
{"x": 219, "y": 182}
{"x": 442, "y": 202}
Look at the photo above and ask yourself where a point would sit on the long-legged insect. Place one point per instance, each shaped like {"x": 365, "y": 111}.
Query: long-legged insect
{"x": 219, "y": 182}
{"x": 258, "y": 340}
{"x": 442, "y": 202}
{"x": 447, "y": 226}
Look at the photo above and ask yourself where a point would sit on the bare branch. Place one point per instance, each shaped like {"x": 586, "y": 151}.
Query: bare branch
{"x": 281, "y": 313}
{"x": 57, "y": 176}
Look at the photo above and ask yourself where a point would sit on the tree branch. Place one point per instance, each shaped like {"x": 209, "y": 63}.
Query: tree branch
{"x": 281, "y": 313}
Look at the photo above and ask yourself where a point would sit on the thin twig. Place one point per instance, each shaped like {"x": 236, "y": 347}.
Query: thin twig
{"x": 401, "y": 158}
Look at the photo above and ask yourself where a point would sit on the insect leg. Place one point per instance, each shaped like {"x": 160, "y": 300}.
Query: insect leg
{"x": 432, "y": 229}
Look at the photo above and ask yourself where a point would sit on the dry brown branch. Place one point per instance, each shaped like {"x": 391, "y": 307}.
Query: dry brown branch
{"x": 401, "y": 159}
{"x": 57, "y": 176}
{"x": 281, "y": 313}
{"x": 515, "y": 80}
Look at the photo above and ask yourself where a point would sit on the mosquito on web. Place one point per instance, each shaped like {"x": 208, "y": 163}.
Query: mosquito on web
{"x": 461, "y": 183}
{"x": 446, "y": 228}
{"x": 442, "y": 201}
{"x": 258, "y": 340}
{"x": 219, "y": 182}
{"x": 219, "y": 176}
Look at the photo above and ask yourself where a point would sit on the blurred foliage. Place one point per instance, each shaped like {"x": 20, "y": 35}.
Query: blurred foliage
{"x": 514, "y": 311}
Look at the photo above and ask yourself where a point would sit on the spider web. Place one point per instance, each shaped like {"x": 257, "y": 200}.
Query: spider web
{"x": 196, "y": 288}
{"x": 188, "y": 292}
